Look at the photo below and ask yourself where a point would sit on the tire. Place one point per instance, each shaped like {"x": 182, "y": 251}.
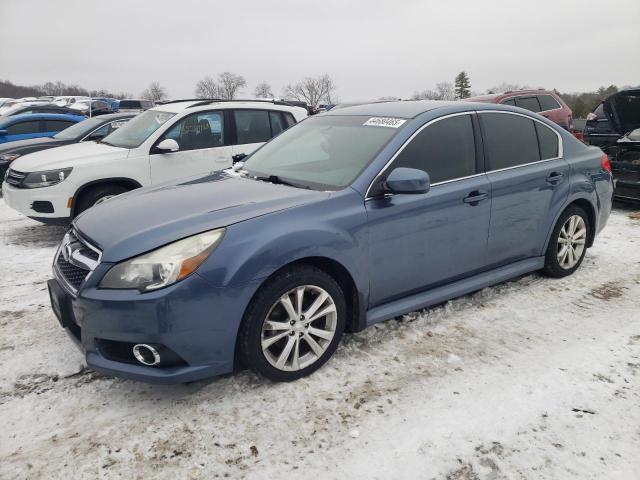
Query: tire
{"x": 556, "y": 264}
{"x": 268, "y": 310}
{"x": 97, "y": 194}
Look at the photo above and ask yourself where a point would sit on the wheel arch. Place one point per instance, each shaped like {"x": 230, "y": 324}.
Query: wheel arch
{"x": 129, "y": 183}
{"x": 586, "y": 205}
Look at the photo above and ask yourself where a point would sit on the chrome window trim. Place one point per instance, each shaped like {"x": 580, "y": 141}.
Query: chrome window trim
{"x": 560, "y": 148}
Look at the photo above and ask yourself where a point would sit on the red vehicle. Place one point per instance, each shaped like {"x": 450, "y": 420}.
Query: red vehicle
{"x": 545, "y": 102}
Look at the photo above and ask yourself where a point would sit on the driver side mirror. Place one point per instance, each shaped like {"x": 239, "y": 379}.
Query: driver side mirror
{"x": 168, "y": 145}
{"x": 408, "y": 180}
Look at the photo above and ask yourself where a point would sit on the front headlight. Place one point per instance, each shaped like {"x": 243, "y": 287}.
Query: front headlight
{"x": 164, "y": 266}
{"x": 45, "y": 179}
{"x": 9, "y": 157}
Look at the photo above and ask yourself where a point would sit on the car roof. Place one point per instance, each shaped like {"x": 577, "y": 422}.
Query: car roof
{"x": 195, "y": 105}
{"x": 42, "y": 116}
{"x": 490, "y": 97}
{"x": 398, "y": 109}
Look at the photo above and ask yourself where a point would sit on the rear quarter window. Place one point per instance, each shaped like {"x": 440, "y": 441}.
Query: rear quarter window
{"x": 547, "y": 102}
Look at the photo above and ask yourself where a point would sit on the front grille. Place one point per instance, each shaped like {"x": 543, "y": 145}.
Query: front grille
{"x": 72, "y": 274}
{"x": 75, "y": 260}
{"x": 15, "y": 178}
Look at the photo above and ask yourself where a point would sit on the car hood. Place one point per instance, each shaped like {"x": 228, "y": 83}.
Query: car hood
{"x": 623, "y": 109}
{"x": 30, "y": 144}
{"x": 145, "y": 219}
{"x": 67, "y": 156}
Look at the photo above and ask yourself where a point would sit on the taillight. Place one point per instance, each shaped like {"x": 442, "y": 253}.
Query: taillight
{"x": 605, "y": 163}
{"x": 592, "y": 116}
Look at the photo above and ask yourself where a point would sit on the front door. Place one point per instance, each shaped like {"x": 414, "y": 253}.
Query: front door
{"x": 203, "y": 148}
{"x": 418, "y": 241}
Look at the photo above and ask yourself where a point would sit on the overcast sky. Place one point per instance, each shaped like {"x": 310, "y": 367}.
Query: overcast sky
{"x": 370, "y": 48}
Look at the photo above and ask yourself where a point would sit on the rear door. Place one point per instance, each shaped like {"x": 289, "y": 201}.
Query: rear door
{"x": 551, "y": 109}
{"x": 203, "y": 147}
{"x": 529, "y": 184}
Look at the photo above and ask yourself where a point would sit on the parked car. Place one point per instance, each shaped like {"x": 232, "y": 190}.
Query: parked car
{"x": 134, "y": 105}
{"x": 113, "y": 102}
{"x": 91, "y": 107}
{"x": 91, "y": 129}
{"x": 12, "y": 105}
{"x": 171, "y": 141}
{"x": 67, "y": 100}
{"x": 349, "y": 218}
{"x": 38, "y": 107}
{"x": 545, "y": 102}
{"x": 34, "y": 125}
{"x": 4, "y": 100}
{"x": 614, "y": 126}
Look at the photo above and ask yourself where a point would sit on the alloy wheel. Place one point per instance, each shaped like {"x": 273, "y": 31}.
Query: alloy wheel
{"x": 571, "y": 242}
{"x": 299, "y": 328}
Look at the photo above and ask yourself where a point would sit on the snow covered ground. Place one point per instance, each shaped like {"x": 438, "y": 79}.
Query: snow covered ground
{"x": 535, "y": 378}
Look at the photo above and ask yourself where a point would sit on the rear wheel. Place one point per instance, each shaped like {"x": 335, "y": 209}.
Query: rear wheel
{"x": 293, "y": 324}
{"x": 568, "y": 243}
{"x": 96, "y": 195}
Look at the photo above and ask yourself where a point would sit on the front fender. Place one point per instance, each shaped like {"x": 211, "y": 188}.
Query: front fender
{"x": 333, "y": 228}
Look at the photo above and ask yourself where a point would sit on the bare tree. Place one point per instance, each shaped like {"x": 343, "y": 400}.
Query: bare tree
{"x": 507, "y": 87}
{"x": 263, "y": 90}
{"x": 155, "y": 92}
{"x": 443, "y": 91}
{"x": 229, "y": 85}
{"x": 311, "y": 90}
{"x": 207, "y": 88}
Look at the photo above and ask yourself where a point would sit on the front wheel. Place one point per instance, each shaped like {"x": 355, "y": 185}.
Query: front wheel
{"x": 96, "y": 195}
{"x": 568, "y": 243}
{"x": 293, "y": 324}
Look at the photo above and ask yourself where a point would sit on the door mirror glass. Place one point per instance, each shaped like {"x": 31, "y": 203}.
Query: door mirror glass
{"x": 167, "y": 145}
{"x": 408, "y": 180}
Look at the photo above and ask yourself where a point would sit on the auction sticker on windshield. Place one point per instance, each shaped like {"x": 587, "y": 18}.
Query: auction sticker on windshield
{"x": 384, "y": 122}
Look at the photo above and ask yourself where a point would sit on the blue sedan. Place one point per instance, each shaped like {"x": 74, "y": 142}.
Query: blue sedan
{"x": 34, "y": 125}
{"x": 347, "y": 219}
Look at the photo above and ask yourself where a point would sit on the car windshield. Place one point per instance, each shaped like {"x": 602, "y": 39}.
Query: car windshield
{"x": 138, "y": 129}
{"x": 325, "y": 153}
{"x": 80, "y": 129}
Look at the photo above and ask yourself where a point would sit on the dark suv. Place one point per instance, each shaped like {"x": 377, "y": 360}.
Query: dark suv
{"x": 545, "y": 102}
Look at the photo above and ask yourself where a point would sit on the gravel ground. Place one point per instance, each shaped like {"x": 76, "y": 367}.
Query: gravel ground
{"x": 534, "y": 378}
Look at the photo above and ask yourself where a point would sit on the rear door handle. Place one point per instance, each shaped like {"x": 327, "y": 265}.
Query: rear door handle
{"x": 555, "y": 177}
{"x": 475, "y": 197}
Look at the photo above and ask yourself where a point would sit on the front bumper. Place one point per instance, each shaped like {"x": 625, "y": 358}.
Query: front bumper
{"x": 193, "y": 319}
{"x": 23, "y": 200}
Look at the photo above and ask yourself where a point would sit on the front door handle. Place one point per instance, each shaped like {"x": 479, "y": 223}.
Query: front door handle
{"x": 475, "y": 197}
{"x": 555, "y": 177}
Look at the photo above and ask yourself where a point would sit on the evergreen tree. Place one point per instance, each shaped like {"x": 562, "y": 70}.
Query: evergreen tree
{"x": 463, "y": 85}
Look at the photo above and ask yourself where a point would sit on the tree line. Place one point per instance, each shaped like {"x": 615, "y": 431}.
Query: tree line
{"x": 311, "y": 90}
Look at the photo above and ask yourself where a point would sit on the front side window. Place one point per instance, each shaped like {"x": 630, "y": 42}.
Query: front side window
{"x": 138, "y": 129}
{"x": 252, "y": 126}
{"x": 547, "y": 102}
{"x": 56, "y": 125}
{"x": 321, "y": 153}
{"x": 23, "y": 127}
{"x": 445, "y": 150}
{"x": 511, "y": 140}
{"x": 528, "y": 103}
{"x": 198, "y": 131}
{"x": 509, "y": 101}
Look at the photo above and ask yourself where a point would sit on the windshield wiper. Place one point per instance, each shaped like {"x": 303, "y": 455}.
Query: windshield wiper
{"x": 278, "y": 180}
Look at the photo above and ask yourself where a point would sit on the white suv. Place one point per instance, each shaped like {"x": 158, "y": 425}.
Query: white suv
{"x": 167, "y": 142}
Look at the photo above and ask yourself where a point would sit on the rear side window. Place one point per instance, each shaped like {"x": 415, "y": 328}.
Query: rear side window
{"x": 277, "y": 123}
{"x": 510, "y": 140}
{"x": 444, "y": 149}
{"x": 547, "y": 102}
{"x": 23, "y": 127}
{"x": 547, "y": 140}
{"x": 509, "y": 101}
{"x": 289, "y": 119}
{"x": 198, "y": 131}
{"x": 252, "y": 126}
{"x": 56, "y": 125}
{"x": 528, "y": 103}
